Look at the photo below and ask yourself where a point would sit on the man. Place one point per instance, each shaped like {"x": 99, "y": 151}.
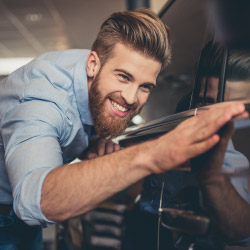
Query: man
{"x": 49, "y": 107}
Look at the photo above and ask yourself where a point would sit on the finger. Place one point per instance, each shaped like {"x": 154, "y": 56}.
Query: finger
{"x": 225, "y": 113}
{"x": 116, "y": 147}
{"x": 242, "y": 116}
{"x": 209, "y": 125}
{"x": 201, "y": 147}
{"x": 101, "y": 147}
{"x": 202, "y": 119}
{"x": 109, "y": 147}
{"x": 91, "y": 156}
{"x": 202, "y": 127}
{"x": 214, "y": 120}
{"x": 234, "y": 107}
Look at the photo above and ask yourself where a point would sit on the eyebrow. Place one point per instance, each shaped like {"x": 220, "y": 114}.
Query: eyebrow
{"x": 132, "y": 77}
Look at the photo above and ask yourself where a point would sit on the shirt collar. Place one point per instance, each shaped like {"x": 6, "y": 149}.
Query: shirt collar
{"x": 81, "y": 89}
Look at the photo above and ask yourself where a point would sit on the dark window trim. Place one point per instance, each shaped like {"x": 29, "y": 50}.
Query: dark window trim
{"x": 222, "y": 79}
{"x": 165, "y": 8}
{"x": 221, "y": 85}
{"x": 197, "y": 87}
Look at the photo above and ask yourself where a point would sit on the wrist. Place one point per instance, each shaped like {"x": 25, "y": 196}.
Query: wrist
{"x": 144, "y": 158}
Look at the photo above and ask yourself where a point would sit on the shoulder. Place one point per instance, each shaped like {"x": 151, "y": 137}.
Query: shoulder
{"x": 65, "y": 56}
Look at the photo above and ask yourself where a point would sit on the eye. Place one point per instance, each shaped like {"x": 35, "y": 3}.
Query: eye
{"x": 123, "y": 77}
{"x": 147, "y": 88}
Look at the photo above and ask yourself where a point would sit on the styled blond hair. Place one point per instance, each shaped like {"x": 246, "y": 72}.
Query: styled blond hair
{"x": 141, "y": 30}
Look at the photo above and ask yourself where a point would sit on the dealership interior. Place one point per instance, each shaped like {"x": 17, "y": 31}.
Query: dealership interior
{"x": 209, "y": 43}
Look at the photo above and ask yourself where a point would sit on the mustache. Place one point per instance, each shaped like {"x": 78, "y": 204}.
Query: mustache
{"x": 123, "y": 102}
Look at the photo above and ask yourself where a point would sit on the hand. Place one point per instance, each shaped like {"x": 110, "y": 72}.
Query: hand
{"x": 99, "y": 147}
{"x": 208, "y": 166}
{"x": 194, "y": 136}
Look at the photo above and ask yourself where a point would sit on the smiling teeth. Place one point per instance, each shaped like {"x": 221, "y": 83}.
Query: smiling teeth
{"x": 118, "y": 107}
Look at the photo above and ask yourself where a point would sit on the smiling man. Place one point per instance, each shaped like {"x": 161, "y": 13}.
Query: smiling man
{"x": 48, "y": 110}
{"x": 120, "y": 89}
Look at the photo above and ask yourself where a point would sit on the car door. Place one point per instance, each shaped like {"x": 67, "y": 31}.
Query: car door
{"x": 206, "y": 68}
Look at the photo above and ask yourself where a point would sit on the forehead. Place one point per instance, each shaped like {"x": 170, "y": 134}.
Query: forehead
{"x": 133, "y": 61}
{"x": 237, "y": 90}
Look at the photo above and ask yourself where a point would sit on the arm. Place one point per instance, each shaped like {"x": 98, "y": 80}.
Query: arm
{"x": 72, "y": 190}
{"x": 30, "y": 137}
{"x": 228, "y": 210}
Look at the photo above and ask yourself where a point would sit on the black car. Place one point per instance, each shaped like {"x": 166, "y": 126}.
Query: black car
{"x": 210, "y": 64}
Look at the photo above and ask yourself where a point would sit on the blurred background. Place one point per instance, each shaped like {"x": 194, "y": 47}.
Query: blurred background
{"x": 29, "y": 28}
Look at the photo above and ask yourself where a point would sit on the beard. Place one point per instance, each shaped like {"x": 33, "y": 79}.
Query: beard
{"x": 106, "y": 124}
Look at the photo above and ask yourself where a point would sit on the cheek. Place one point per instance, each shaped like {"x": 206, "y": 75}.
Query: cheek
{"x": 142, "y": 99}
{"x": 106, "y": 89}
{"x": 109, "y": 85}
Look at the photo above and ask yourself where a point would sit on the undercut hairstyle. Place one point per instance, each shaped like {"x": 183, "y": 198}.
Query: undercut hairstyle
{"x": 141, "y": 30}
{"x": 238, "y": 62}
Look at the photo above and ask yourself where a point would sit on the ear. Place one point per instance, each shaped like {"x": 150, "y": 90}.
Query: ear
{"x": 93, "y": 64}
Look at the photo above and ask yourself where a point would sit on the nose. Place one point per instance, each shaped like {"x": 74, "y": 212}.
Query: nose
{"x": 130, "y": 94}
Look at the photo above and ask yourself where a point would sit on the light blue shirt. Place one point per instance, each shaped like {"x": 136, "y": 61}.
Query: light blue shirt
{"x": 45, "y": 122}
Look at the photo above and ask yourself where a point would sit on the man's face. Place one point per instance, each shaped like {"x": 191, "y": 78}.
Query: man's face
{"x": 211, "y": 92}
{"x": 120, "y": 89}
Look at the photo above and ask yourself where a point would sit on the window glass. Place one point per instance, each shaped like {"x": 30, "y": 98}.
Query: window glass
{"x": 208, "y": 74}
{"x": 238, "y": 75}
{"x": 238, "y": 88}
{"x": 237, "y": 83}
{"x": 186, "y": 20}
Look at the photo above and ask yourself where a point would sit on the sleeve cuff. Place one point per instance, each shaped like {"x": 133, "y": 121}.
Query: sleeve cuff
{"x": 27, "y": 198}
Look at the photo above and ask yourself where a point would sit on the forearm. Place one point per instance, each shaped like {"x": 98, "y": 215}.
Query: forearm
{"x": 230, "y": 212}
{"x": 71, "y": 190}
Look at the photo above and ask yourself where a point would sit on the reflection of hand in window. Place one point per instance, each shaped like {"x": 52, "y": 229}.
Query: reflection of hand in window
{"x": 229, "y": 211}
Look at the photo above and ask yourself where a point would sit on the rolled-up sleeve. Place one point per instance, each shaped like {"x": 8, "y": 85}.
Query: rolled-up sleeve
{"x": 32, "y": 133}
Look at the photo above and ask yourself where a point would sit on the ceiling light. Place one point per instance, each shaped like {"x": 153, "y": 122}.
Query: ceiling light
{"x": 34, "y": 17}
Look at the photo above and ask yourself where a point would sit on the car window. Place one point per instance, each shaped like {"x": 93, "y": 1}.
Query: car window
{"x": 238, "y": 75}
{"x": 237, "y": 87}
{"x": 237, "y": 83}
{"x": 187, "y": 22}
{"x": 208, "y": 74}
